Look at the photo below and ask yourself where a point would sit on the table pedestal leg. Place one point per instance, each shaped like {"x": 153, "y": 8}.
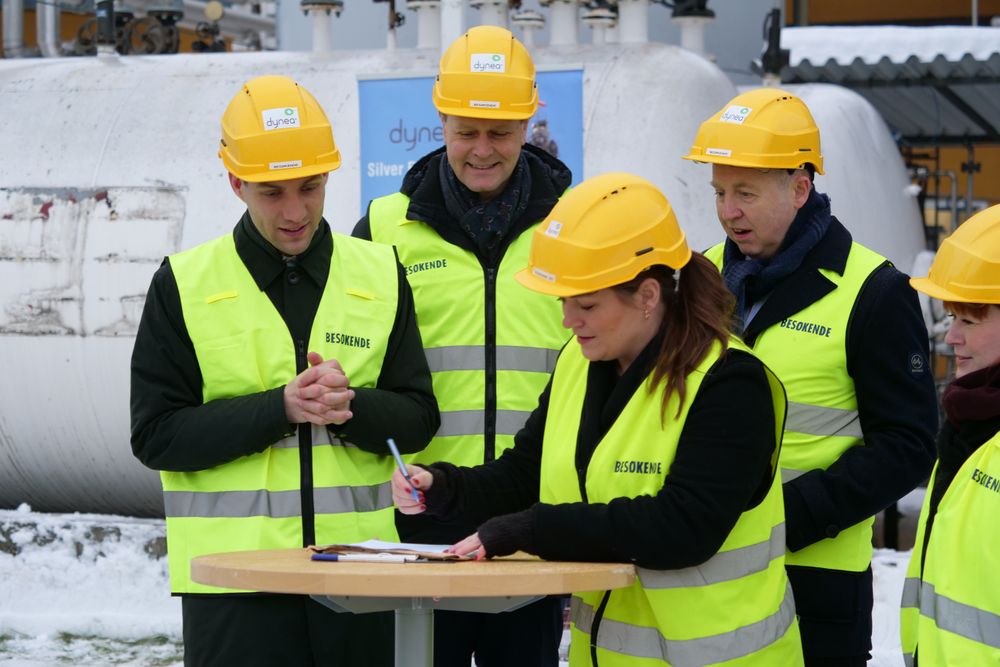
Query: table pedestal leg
{"x": 414, "y": 637}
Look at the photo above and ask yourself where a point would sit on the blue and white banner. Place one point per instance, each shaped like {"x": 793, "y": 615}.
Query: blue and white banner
{"x": 399, "y": 125}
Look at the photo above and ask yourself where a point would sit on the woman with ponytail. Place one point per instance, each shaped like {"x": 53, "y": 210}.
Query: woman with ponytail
{"x": 655, "y": 443}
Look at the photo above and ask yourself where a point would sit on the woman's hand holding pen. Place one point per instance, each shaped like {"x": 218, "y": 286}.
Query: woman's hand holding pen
{"x": 402, "y": 492}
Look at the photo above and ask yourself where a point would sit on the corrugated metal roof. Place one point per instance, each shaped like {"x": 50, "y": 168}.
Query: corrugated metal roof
{"x": 938, "y": 85}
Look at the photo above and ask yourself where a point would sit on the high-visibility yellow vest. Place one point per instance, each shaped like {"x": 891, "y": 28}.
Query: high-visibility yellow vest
{"x": 951, "y": 614}
{"x": 490, "y": 342}
{"x": 736, "y": 607}
{"x": 244, "y": 347}
{"x": 808, "y": 352}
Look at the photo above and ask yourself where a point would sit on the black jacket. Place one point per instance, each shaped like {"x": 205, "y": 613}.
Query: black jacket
{"x": 173, "y": 430}
{"x": 721, "y": 469}
{"x": 887, "y": 352}
{"x": 422, "y": 184}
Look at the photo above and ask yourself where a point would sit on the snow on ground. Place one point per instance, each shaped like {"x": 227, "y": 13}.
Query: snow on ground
{"x": 92, "y": 590}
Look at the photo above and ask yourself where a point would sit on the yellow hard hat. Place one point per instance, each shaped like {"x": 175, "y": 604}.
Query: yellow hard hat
{"x": 967, "y": 266}
{"x": 765, "y": 128}
{"x": 274, "y": 130}
{"x": 486, "y": 73}
{"x": 603, "y": 233}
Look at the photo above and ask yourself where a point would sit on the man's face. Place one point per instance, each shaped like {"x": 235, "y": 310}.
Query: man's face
{"x": 756, "y": 207}
{"x": 286, "y": 213}
{"x": 483, "y": 152}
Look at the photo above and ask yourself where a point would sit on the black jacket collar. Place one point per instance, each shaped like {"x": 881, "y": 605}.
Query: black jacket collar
{"x": 266, "y": 264}
{"x": 422, "y": 184}
{"x": 806, "y": 285}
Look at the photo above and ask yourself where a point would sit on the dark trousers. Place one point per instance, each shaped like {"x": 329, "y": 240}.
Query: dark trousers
{"x": 835, "y": 615}
{"x": 286, "y": 630}
{"x": 525, "y": 637}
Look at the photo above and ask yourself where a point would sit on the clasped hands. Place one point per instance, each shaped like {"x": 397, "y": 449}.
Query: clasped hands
{"x": 320, "y": 394}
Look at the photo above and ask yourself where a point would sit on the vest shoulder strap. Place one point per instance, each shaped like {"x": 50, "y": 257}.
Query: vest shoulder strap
{"x": 386, "y": 213}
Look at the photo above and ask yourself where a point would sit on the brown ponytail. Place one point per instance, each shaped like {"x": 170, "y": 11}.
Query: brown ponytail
{"x": 696, "y": 314}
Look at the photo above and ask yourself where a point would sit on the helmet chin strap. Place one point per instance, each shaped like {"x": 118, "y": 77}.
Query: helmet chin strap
{"x": 677, "y": 280}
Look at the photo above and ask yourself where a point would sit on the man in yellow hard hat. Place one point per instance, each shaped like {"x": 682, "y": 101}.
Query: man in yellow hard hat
{"x": 949, "y": 611}
{"x": 460, "y": 223}
{"x": 269, "y": 368}
{"x": 839, "y": 325}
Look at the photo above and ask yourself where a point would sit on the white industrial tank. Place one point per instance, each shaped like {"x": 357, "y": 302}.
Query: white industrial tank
{"x": 107, "y": 164}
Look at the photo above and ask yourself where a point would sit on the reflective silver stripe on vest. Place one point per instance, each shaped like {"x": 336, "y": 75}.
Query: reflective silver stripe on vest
{"x": 473, "y": 358}
{"x": 723, "y": 566}
{"x": 788, "y": 474}
{"x": 907, "y": 660}
{"x": 974, "y": 624}
{"x": 320, "y": 438}
{"x": 641, "y": 642}
{"x": 275, "y": 504}
{"x": 911, "y": 593}
{"x": 473, "y": 422}
{"x": 817, "y": 420}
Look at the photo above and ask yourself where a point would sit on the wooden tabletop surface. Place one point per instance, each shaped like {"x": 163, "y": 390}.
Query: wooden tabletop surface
{"x": 292, "y": 571}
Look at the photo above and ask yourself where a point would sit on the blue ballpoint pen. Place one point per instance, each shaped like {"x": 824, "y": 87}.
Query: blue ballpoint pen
{"x": 402, "y": 467}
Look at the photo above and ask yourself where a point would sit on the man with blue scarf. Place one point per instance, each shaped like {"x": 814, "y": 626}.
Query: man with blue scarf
{"x": 835, "y": 321}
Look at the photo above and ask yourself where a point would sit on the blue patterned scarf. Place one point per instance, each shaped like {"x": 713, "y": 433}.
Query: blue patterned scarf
{"x": 752, "y": 279}
{"x": 486, "y": 223}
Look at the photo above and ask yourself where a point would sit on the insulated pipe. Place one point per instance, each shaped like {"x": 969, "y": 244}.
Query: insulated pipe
{"x": 47, "y": 17}
{"x": 529, "y": 21}
{"x": 322, "y": 30}
{"x": 321, "y": 10}
{"x": 564, "y": 29}
{"x": 633, "y": 21}
{"x": 692, "y": 32}
{"x": 491, "y": 12}
{"x": 13, "y": 28}
{"x": 452, "y": 21}
{"x": 428, "y": 22}
{"x": 599, "y": 21}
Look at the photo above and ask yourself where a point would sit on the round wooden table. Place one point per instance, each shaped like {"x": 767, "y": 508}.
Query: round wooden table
{"x": 413, "y": 590}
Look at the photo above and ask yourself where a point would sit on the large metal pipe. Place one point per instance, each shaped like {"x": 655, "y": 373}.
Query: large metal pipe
{"x": 47, "y": 23}
{"x": 491, "y": 12}
{"x": 692, "y": 32}
{"x": 428, "y": 22}
{"x": 564, "y": 27}
{"x": 82, "y": 235}
{"x": 452, "y": 21}
{"x": 13, "y": 28}
{"x": 633, "y": 21}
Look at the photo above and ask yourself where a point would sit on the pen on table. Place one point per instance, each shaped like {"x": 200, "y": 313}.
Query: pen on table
{"x": 367, "y": 558}
{"x": 402, "y": 467}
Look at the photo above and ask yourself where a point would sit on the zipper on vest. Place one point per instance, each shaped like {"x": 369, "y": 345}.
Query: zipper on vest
{"x": 595, "y": 625}
{"x": 490, "y": 379}
{"x": 305, "y": 462}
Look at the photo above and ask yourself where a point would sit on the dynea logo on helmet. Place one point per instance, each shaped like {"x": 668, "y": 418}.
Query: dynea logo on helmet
{"x": 735, "y": 114}
{"x": 488, "y": 62}
{"x": 280, "y": 118}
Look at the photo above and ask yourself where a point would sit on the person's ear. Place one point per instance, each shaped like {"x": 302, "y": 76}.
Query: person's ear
{"x": 524, "y": 131}
{"x": 237, "y": 185}
{"x": 801, "y": 186}
{"x": 649, "y": 293}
